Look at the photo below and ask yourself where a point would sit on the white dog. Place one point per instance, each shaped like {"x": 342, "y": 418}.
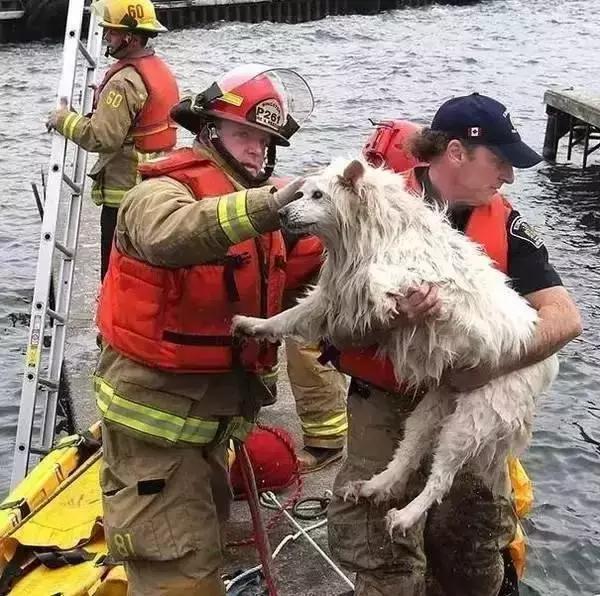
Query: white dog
{"x": 381, "y": 240}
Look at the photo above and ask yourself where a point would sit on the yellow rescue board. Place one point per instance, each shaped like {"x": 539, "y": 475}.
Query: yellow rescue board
{"x": 67, "y": 516}
{"x": 41, "y": 483}
{"x": 71, "y": 518}
{"x": 84, "y": 579}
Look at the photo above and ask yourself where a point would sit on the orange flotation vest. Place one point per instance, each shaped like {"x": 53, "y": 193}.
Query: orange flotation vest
{"x": 179, "y": 320}
{"x": 153, "y": 129}
{"x": 487, "y": 227}
{"x": 304, "y": 261}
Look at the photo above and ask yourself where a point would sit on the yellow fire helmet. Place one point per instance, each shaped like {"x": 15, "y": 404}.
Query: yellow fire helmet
{"x": 138, "y": 16}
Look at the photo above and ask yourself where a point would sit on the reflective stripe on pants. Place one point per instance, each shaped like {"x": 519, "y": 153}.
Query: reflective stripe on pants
{"x": 163, "y": 425}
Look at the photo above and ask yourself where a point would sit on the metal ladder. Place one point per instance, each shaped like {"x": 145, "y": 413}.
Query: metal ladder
{"x": 41, "y": 381}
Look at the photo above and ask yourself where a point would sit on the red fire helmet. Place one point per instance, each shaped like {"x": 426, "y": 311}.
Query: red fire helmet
{"x": 271, "y": 453}
{"x": 387, "y": 145}
{"x": 275, "y": 100}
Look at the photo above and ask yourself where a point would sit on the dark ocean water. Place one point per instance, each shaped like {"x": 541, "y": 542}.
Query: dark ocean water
{"x": 396, "y": 64}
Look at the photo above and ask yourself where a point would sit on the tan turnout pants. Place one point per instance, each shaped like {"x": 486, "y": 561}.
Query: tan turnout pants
{"x": 320, "y": 395}
{"x": 163, "y": 509}
{"x": 455, "y": 551}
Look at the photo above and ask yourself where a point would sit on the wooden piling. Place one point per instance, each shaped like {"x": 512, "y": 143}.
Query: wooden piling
{"x": 268, "y": 14}
{"x": 279, "y": 12}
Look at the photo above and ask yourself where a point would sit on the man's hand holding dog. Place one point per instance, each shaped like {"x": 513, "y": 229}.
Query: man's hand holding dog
{"x": 422, "y": 303}
{"x": 419, "y": 304}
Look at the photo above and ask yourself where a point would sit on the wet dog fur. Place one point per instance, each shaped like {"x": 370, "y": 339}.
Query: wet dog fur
{"x": 382, "y": 240}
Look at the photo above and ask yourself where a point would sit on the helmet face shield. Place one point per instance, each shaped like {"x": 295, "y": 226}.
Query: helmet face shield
{"x": 275, "y": 100}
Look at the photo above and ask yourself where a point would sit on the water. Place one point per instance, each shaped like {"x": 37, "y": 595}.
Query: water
{"x": 397, "y": 64}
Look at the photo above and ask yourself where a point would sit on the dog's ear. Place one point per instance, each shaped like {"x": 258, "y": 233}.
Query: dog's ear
{"x": 353, "y": 172}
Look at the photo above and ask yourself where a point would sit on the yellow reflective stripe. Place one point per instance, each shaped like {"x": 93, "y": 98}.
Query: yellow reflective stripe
{"x": 127, "y": 414}
{"x": 108, "y": 196}
{"x": 232, "y": 98}
{"x": 336, "y": 425}
{"x": 233, "y": 217}
{"x": 271, "y": 376}
{"x": 151, "y": 421}
{"x": 143, "y": 158}
{"x": 70, "y": 123}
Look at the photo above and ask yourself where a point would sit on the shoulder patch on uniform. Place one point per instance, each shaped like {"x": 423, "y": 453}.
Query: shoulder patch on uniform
{"x": 519, "y": 228}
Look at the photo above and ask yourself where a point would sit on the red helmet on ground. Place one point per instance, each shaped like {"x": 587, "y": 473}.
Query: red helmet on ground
{"x": 273, "y": 458}
{"x": 275, "y": 100}
{"x": 387, "y": 145}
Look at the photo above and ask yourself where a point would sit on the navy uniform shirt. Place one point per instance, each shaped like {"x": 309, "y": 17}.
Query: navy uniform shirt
{"x": 528, "y": 266}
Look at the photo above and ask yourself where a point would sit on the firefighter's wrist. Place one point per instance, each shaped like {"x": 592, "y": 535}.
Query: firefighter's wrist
{"x": 262, "y": 210}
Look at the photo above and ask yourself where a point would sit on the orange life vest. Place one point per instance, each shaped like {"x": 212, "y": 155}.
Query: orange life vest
{"x": 304, "y": 261}
{"x": 180, "y": 319}
{"x": 487, "y": 227}
{"x": 153, "y": 129}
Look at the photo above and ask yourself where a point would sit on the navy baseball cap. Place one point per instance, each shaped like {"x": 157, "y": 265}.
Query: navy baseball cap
{"x": 484, "y": 121}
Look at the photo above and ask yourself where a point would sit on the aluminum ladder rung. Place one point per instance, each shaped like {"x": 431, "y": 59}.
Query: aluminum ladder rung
{"x": 61, "y": 318}
{"x": 38, "y": 450}
{"x": 76, "y": 188}
{"x": 92, "y": 63}
{"x": 52, "y": 385}
{"x": 68, "y": 252}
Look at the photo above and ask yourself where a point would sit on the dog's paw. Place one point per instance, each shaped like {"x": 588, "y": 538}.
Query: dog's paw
{"x": 401, "y": 520}
{"x": 364, "y": 489}
{"x": 353, "y": 490}
{"x": 252, "y": 327}
{"x": 381, "y": 495}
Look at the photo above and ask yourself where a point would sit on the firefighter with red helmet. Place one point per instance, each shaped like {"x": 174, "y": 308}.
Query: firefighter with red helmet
{"x": 197, "y": 241}
{"x": 319, "y": 390}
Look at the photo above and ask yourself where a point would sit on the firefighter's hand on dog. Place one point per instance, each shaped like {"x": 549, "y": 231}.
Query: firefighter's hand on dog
{"x": 290, "y": 192}
{"x": 418, "y": 304}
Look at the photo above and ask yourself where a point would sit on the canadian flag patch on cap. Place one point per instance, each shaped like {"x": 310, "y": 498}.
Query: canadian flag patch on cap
{"x": 474, "y": 131}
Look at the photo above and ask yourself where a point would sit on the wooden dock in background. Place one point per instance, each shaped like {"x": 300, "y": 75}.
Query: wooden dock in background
{"x": 35, "y": 19}
{"x": 574, "y": 112}
{"x": 11, "y": 19}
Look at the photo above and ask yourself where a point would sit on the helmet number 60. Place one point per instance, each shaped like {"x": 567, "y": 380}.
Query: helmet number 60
{"x": 136, "y": 11}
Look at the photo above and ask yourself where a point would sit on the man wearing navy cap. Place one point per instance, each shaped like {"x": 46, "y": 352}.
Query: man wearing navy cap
{"x": 461, "y": 547}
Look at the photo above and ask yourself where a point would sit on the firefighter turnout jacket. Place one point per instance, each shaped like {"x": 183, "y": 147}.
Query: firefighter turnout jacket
{"x": 129, "y": 124}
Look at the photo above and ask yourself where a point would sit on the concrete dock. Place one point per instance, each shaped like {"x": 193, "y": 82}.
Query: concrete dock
{"x": 22, "y": 20}
{"x": 574, "y": 112}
